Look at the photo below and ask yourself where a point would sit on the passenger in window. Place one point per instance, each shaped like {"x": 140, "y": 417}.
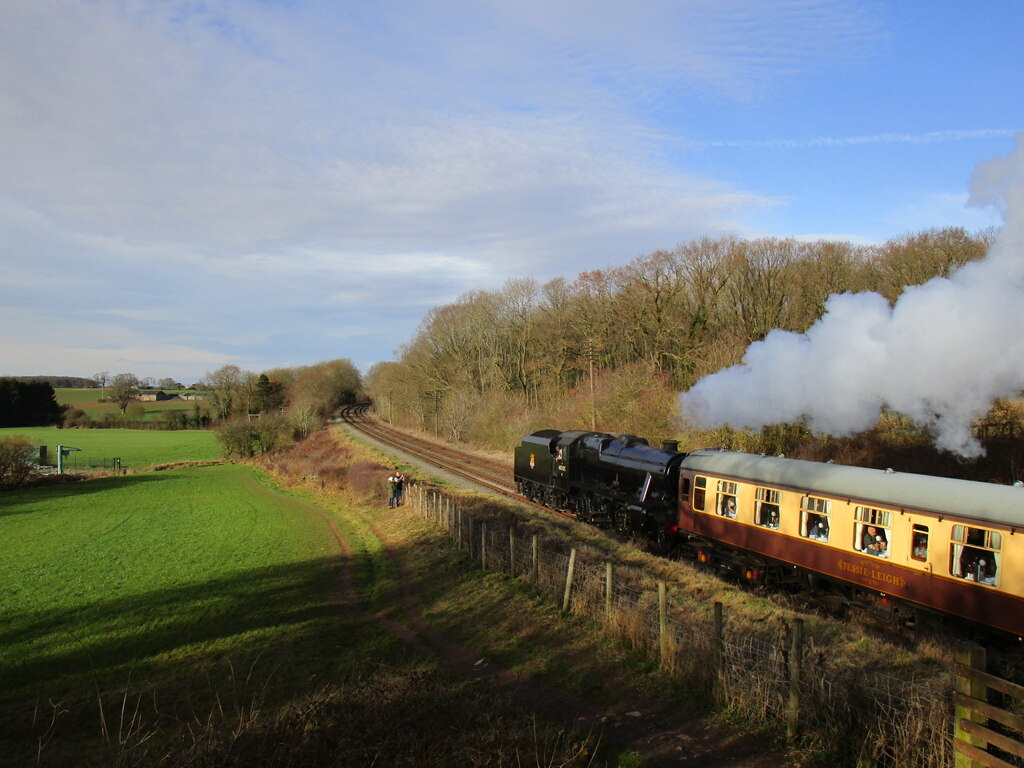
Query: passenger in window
{"x": 983, "y": 574}
{"x": 969, "y": 563}
{"x": 920, "y": 546}
{"x": 773, "y": 517}
{"x": 873, "y": 542}
{"x": 817, "y": 528}
{"x": 729, "y": 507}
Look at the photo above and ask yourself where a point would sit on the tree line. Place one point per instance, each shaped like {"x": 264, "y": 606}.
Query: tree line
{"x": 259, "y": 413}
{"x": 612, "y": 348}
{"x": 28, "y": 403}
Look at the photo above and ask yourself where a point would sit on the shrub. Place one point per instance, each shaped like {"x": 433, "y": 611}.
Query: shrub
{"x": 242, "y": 437}
{"x": 176, "y": 419}
{"x": 237, "y": 437}
{"x": 76, "y": 417}
{"x": 270, "y": 432}
{"x": 16, "y": 462}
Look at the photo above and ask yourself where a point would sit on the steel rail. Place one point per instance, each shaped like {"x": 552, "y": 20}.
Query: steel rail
{"x": 490, "y": 475}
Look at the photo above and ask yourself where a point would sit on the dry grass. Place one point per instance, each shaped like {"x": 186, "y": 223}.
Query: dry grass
{"x": 880, "y": 702}
{"x": 864, "y": 696}
{"x": 382, "y": 716}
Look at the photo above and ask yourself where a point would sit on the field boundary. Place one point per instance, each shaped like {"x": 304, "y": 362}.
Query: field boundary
{"x": 750, "y": 674}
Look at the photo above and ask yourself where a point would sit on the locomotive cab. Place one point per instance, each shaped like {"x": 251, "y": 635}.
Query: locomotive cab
{"x": 534, "y": 462}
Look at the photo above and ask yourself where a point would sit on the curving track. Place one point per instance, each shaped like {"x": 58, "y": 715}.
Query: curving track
{"x": 488, "y": 473}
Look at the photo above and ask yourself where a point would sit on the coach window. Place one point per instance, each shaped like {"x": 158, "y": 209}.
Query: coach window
{"x": 814, "y": 518}
{"x": 700, "y": 485}
{"x": 975, "y": 554}
{"x": 766, "y": 508}
{"x": 919, "y": 542}
{"x": 871, "y": 534}
{"x": 726, "y": 499}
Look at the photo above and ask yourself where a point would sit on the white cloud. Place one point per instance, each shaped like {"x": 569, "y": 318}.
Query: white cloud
{"x": 248, "y": 180}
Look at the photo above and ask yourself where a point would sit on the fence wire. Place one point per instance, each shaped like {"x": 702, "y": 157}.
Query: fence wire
{"x": 882, "y": 718}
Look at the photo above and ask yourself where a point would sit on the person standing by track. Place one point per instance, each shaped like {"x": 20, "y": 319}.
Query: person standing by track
{"x": 399, "y": 486}
{"x": 393, "y": 489}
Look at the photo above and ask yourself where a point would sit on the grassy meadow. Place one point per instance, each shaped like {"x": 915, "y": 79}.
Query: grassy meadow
{"x": 152, "y": 579}
{"x": 205, "y": 616}
{"x": 136, "y": 448}
{"x": 89, "y": 401}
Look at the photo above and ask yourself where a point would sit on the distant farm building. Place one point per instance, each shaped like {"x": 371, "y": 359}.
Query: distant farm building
{"x": 158, "y": 395}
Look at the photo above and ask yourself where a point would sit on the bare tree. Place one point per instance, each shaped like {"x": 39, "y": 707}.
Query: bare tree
{"x": 124, "y": 389}
{"x": 224, "y": 384}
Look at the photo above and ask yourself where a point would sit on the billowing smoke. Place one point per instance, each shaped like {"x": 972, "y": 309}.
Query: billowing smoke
{"x": 941, "y": 355}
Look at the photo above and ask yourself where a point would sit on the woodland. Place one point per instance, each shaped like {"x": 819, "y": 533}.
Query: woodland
{"x": 612, "y": 349}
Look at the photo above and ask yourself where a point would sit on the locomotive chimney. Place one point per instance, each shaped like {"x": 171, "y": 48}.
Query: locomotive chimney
{"x": 670, "y": 445}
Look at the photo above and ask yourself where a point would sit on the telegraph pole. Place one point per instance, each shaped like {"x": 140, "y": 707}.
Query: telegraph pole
{"x": 437, "y": 407}
{"x": 593, "y": 399}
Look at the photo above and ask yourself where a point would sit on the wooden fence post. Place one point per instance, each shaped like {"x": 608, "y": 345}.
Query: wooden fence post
{"x": 662, "y": 624}
{"x": 717, "y": 648}
{"x": 458, "y": 524}
{"x": 512, "y": 551}
{"x": 608, "y": 591}
{"x": 568, "y": 580}
{"x": 483, "y": 544}
{"x": 796, "y": 653}
{"x": 972, "y": 656}
{"x": 534, "y": 565}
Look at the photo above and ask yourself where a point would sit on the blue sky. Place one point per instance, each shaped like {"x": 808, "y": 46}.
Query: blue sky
{"x": 189, "y": 184}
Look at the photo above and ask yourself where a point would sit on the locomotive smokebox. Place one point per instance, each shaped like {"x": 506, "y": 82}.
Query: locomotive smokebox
{"x": 670, "y": 445}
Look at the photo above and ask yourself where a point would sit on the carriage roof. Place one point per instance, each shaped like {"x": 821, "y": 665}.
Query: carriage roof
{"x": 987, "y": 502}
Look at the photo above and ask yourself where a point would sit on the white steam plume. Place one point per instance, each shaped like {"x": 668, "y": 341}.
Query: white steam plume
{"x": 941, "y": 355}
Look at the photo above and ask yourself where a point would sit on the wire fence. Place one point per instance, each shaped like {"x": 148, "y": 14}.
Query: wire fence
{"x": 89, "y": 462}
{"x": 771, "y": 677}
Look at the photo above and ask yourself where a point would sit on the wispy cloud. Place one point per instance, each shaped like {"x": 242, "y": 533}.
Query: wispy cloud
{"x": 932, "y": 137}
{"x": 253, "y": 179}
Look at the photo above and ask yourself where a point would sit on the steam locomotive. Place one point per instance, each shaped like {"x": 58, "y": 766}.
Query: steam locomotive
{"x": 913, "y": 542}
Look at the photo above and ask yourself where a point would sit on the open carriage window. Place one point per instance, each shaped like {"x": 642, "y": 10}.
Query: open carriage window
{"x": 767, "y": 507}
{"x": 815, "y": 517}
{"x": 726, "y": 506}
{"x": 872, "y": 534}
{"x": 975, "y": 554}
{"x": 919, "y": 542}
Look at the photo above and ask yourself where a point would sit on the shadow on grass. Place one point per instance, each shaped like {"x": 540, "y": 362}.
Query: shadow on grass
{"x": 20, "y": 501}
{"x": 284, "y": 627}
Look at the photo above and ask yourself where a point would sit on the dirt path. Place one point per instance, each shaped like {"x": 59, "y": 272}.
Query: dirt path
{"x": 650, "y": 727}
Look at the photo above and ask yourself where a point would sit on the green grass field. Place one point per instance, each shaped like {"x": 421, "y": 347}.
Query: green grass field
{"x": 151, "y": 577}
{"x": 136, "y": 448}
{"x": 89, "y": 401}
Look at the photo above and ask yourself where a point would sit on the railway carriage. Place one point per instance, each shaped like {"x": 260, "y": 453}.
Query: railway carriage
{"x": 953, "y": 546}
{"x": 940, "y": 544}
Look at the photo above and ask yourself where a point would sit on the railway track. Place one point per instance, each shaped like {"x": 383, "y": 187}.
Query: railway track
{"x": 490, "y": 474}
{"x": 497, "y": 476}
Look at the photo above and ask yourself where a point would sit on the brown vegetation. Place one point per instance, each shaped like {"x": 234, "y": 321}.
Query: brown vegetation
{"x": 611, "y": 350}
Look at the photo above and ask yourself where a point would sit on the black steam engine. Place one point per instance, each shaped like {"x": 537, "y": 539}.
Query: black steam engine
{"x": 612, "y": 481}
